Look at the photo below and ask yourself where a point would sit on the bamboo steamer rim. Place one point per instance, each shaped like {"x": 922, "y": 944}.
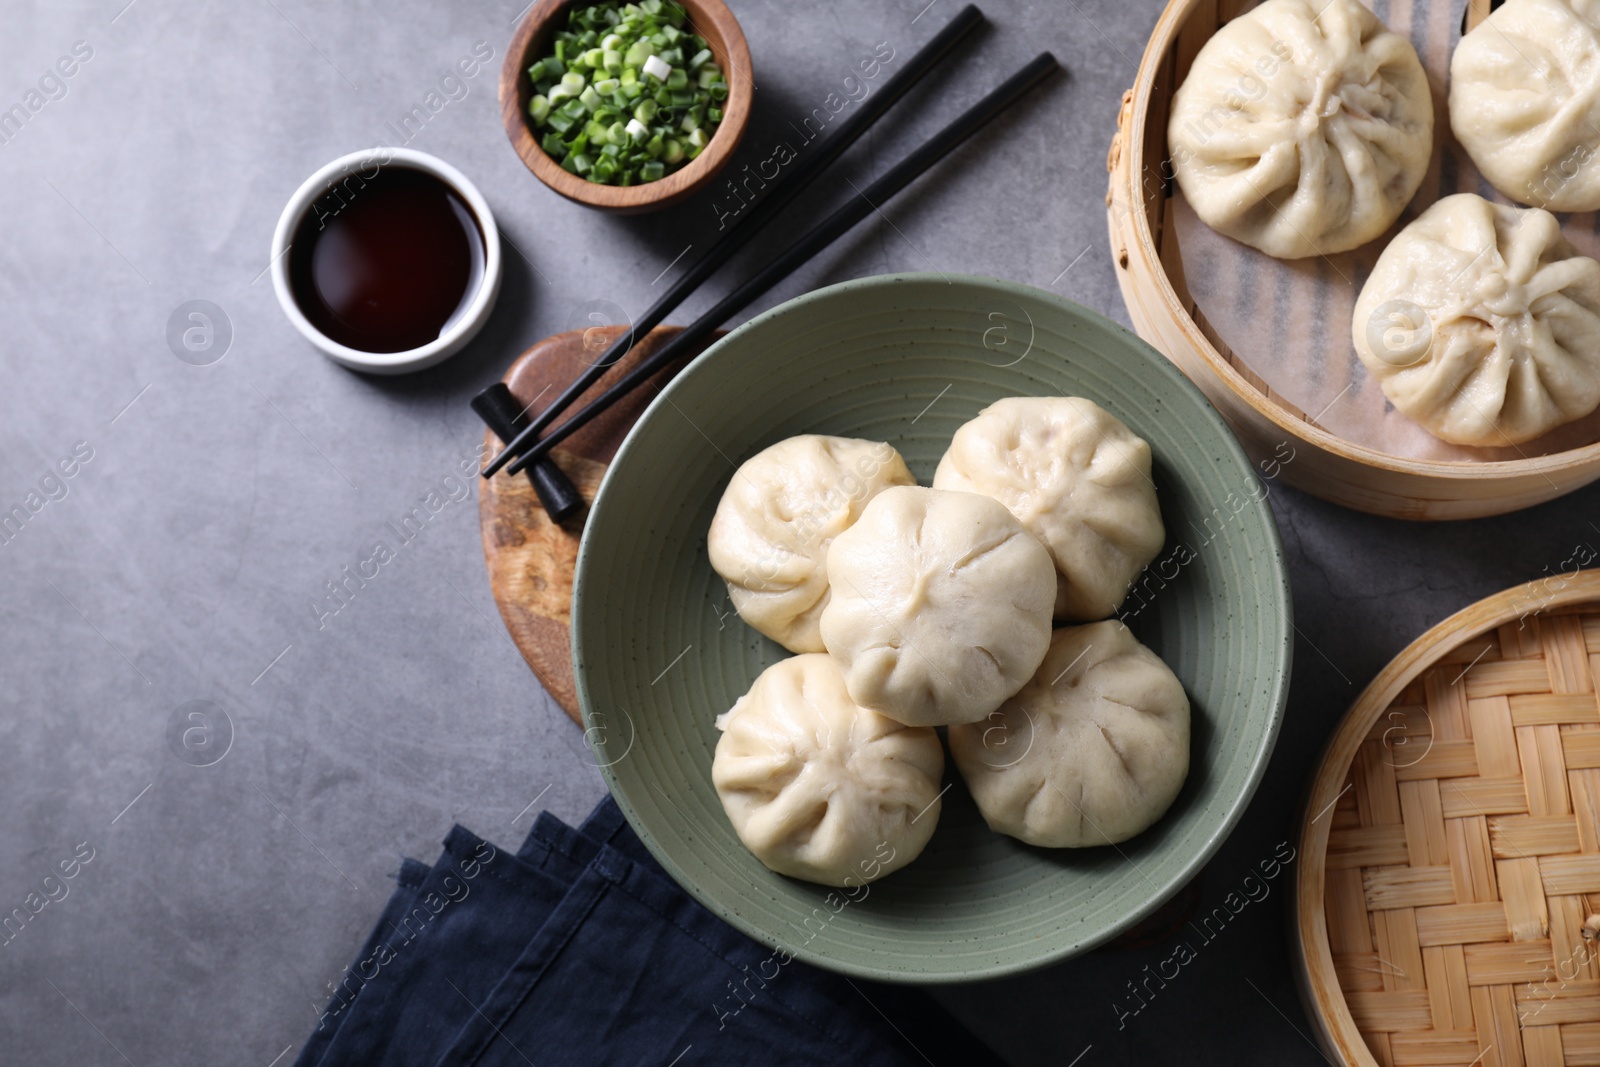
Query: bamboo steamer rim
{"x": 1128, "y": 139}
{"x": 1321, "y": 991}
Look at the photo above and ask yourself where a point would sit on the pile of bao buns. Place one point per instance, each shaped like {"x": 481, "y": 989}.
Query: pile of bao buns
{"x": 1305, "y": 127}
{"x": 912, "y": 608}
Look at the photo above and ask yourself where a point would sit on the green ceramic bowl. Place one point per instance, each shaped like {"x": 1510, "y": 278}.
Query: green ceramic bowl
{"x": 658, "y": 653}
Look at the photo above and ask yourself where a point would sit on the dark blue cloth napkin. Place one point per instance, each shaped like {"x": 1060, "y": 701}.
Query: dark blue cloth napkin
{"x": 579, "y": 950}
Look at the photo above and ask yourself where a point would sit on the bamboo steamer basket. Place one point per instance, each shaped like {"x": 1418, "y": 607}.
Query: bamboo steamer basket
{"x": 1150, "y": 273}
{"x": 1449, "y": 855}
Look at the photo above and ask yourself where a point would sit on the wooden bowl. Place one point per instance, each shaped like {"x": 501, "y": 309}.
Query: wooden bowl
{"x": 1150, "y": 272}
{"x": 1449, "y": 852}
{"x": 712, "y": 20}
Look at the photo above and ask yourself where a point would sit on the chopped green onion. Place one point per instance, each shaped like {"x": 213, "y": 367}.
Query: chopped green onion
{"x": 637, "y": 53}
{"x": 628, "y": 94}
{"x": 658, "y": 68}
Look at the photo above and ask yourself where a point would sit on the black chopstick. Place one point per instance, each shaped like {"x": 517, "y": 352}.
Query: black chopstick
{"x": 806, "y": 169}
{"x": 896, "y": 178}
{"x": 504, "y": 414}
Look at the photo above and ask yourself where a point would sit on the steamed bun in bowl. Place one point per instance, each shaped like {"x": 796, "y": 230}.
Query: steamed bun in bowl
{"x": 1077, "y": 479}
{"x": 940, "y": 605}
{"x": 820, "y": 788}
{"x": 1092, "y": 751}
{"x": 769, "y": 538}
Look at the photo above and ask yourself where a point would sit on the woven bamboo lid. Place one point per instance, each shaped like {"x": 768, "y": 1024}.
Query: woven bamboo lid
{"x": 1450, "y": 851}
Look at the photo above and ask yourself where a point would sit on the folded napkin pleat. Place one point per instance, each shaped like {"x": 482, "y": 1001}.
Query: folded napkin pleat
{"x": 375, "y": 953}
{"x": 579, "y": 950}
{"x": 464, "y": 926}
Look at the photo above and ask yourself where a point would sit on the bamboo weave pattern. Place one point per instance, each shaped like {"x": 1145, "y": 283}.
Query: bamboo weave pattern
{"x": 1464, "y": 857}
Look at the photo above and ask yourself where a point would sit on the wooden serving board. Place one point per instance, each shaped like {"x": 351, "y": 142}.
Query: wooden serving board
{"x": 530, "y": 558}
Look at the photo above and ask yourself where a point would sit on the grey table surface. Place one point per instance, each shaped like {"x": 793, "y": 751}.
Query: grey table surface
{"x": 182, "y": 560}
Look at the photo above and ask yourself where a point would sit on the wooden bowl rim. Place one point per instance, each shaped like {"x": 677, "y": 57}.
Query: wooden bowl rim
{"x": 1162, "y": 41}
{"x": 1310, "y": 920}
{"x": 675, "y": 187}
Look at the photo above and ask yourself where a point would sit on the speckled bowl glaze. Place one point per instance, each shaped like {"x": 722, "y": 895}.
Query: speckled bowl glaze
{"x": 658, "y": 652}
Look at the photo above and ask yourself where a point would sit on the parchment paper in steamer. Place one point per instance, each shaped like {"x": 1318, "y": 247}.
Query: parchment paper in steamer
{"x": 1289, "y": 320}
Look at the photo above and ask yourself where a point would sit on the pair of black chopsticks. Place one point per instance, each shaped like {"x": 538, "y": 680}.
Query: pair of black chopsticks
{"x": 526, "y": 448}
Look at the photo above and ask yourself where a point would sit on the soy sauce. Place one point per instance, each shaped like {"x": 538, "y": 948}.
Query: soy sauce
{"x": 386, "y": 261}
